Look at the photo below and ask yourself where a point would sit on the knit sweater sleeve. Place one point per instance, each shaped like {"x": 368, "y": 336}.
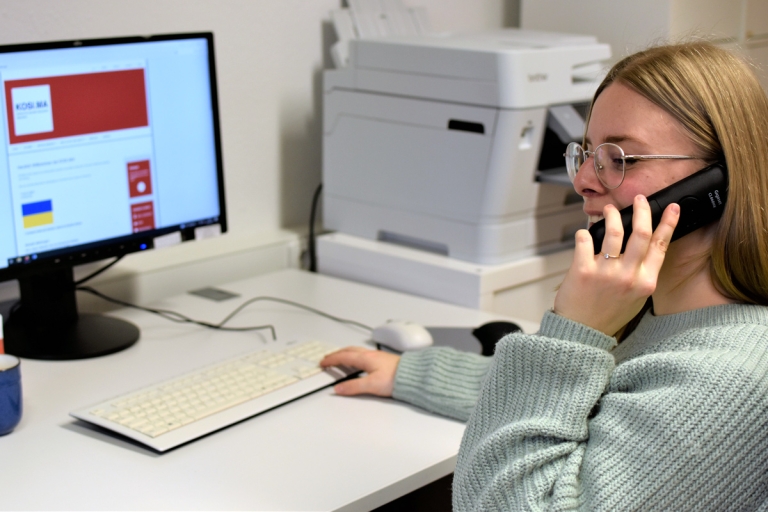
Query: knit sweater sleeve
{"x": 548, "y": 433}
{"x": 441, "y": 380}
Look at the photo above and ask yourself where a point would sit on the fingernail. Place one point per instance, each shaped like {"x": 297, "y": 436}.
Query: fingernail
{"x": 642, "y": 198}
{"x": 675, "y": 208}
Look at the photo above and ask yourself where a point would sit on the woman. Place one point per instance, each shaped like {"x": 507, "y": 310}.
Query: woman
{"x": 676, "y": 415}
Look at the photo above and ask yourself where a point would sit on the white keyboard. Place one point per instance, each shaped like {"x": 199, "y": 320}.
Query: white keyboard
{"x": 179, "y": 410}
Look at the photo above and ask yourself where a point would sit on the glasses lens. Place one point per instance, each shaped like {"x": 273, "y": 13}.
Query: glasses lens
{"x": 574, "y": 157}
{"x": 609, "y": 164}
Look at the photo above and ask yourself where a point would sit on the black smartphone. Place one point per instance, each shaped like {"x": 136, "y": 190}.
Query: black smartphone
{"x": 701, "y": 197}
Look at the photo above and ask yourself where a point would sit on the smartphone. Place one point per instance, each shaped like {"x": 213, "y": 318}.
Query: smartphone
{"x": 701, "y": 197}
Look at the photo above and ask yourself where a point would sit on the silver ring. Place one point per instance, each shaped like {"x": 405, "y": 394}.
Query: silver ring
{"x": 608, "y": 256}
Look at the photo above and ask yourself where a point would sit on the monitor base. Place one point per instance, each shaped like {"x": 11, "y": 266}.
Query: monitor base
{"x": 90, "y": 336}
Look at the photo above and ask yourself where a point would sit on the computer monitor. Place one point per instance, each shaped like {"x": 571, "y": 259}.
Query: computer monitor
{"x": 108, "y": 147}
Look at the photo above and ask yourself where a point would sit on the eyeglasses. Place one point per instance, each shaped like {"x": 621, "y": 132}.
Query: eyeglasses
{"x": 609, "y": 160}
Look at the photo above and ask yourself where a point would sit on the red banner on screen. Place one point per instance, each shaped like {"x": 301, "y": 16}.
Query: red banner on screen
{"x": 139, "y": 179}
{"x": 87, "y": 103}
{"x": 143, "y": 216}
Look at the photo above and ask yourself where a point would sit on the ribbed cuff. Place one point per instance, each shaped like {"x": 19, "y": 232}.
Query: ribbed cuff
{"x": 441, "y": 380}
{"x": 559, "y": 327}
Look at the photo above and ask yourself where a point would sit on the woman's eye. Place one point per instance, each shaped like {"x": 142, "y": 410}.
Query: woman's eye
{"x": 630, "y": 161}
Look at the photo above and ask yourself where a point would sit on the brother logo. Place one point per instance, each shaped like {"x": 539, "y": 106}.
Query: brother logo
{"x": 31, "y": 105}
{"x": 537, "y": 77}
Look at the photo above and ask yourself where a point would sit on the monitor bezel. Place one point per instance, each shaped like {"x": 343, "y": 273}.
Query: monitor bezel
{"x": 119, "y": 246}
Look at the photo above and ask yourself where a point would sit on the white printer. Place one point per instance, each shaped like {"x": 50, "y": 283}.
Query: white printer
{"x": 454, "y": 143}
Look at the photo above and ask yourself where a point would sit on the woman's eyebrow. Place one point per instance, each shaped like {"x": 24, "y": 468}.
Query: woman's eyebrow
{"x": 615, "y": 139}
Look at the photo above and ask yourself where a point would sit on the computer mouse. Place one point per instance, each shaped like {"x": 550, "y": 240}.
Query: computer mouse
{"x": 490, "y": 333}
{"x": 402, "y": 336}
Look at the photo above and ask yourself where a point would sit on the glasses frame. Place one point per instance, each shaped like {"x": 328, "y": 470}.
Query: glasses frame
{"x": 624, "y": 157}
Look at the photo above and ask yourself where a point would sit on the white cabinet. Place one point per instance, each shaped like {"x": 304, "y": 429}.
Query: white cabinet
{"x": 523, "y": 288}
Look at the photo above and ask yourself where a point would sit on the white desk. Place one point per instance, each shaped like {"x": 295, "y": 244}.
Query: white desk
{"x": 322, "y": 452}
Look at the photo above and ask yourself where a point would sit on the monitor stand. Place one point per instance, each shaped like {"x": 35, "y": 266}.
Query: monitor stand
{"x": 46, "y": 325}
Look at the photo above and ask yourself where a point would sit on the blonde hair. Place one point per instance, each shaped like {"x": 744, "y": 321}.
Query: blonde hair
{"x": 718, "y": 99}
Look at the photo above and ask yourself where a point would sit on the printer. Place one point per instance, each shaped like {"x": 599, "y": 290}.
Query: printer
{"x": 453, "y": 143}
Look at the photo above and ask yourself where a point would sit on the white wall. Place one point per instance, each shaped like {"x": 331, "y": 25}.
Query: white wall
{"x": 269, "y": 55}
{"x": 630, "y": 25}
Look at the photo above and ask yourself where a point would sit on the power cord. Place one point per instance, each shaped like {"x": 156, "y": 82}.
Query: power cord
{"x": 16, "y": 305}
{"x": 297, "y": 305}
{"x": 99, "y": 271}
{"x": 177, "y": 317}
{"x": 174, "y": 316}
{"x": 180, "y": 318}
{"x": 311, "y": 240}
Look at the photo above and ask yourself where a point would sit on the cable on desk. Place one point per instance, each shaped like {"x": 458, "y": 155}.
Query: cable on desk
{"x": 174, "y": 316}
{"x": 297, "y": 305}
{"x": 180, "y": 318}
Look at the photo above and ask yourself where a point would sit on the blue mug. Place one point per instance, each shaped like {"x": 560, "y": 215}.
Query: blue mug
{"x": 10, "y": 393}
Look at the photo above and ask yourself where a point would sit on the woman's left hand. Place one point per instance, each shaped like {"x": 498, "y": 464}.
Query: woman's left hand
{"x": 606, "y": 293}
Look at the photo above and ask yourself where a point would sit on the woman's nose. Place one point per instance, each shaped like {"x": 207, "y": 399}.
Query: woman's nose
{"x": 586, "y": 178}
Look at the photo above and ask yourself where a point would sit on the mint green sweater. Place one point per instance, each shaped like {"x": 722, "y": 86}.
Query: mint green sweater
{"x": 674, "y": 418}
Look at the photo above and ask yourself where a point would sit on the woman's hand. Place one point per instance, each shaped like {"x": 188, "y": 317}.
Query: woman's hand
{"x": 606, "y": 293}
{"x": 380, "y": 367}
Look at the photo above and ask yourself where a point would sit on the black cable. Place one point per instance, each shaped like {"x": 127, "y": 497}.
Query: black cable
{"x": 13, "y": 309}
{"x": 102, "y": 269}
{"x": 297, "y": 305}
{"x": 174, "y": 316}
{"x": 311, "y": 241}
{"x": 16, "y": 305}
{"x": 180, "y": 318}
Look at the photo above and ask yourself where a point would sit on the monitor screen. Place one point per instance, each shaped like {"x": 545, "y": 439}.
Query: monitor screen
{"x": 108, "y": 147}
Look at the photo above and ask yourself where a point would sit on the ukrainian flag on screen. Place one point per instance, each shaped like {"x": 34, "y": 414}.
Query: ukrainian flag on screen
{"x": 37, "y": 214}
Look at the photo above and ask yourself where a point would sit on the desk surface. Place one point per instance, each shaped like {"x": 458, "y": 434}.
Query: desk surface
{"x": 322, "y": 452}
